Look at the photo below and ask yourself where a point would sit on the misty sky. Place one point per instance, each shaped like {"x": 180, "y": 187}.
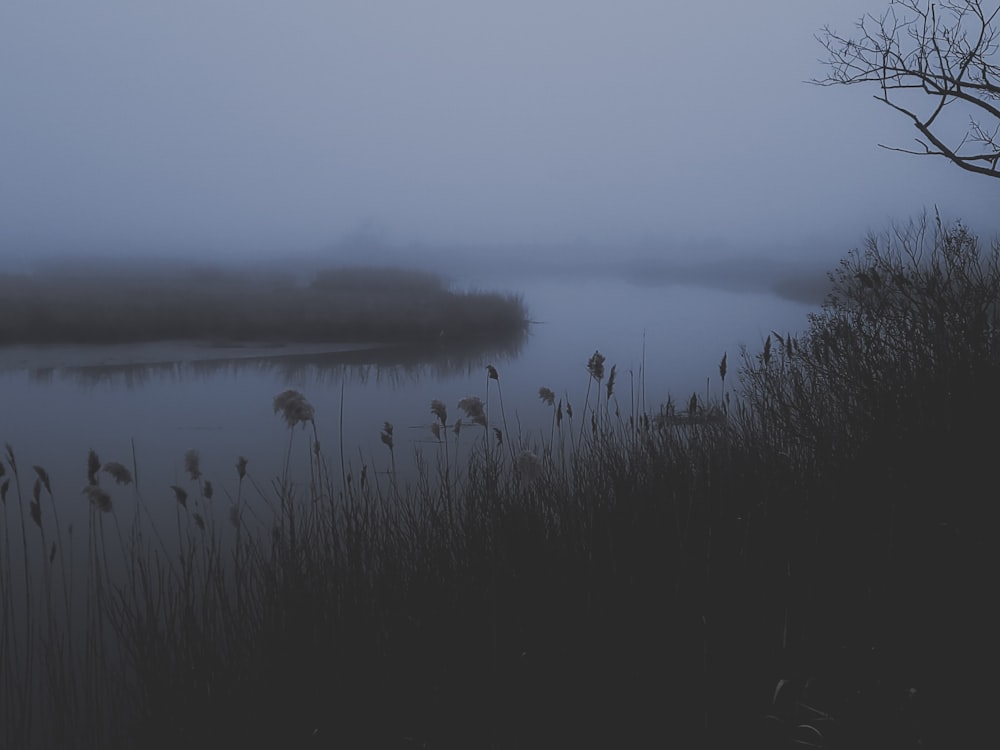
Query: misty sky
{"x": 223, "y": 127}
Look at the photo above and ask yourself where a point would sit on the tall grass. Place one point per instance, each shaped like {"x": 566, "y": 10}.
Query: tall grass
{"x": 804, "y": 560}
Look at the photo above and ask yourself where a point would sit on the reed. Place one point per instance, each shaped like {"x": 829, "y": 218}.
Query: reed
{"x": 788, "y": 564}
{"x": 367, "y": 305}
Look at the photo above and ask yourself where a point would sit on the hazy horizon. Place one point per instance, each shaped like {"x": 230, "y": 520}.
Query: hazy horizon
{"x": 236, "y": 130}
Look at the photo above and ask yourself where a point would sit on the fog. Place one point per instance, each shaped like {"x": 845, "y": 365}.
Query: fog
{"x": 241, "y": 129}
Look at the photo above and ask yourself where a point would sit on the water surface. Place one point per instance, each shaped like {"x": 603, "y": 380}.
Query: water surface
{"x": 156, "y": 401}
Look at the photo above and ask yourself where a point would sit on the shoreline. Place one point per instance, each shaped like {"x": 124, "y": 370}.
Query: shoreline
{"x": 33, "y": 357}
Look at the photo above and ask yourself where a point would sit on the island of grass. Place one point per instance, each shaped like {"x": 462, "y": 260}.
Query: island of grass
{"x": 105, "y": 305}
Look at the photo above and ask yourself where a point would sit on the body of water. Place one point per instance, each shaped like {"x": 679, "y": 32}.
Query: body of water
{"x": 153, "y": 403}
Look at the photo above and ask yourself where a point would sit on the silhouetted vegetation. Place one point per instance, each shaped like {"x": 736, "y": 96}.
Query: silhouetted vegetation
{"x": 337, "y": 305}
{"x": 935, "y": 63}
{"x": 805, "y": 561}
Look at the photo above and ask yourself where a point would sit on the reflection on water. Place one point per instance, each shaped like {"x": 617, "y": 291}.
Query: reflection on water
{"x": 392, "y": 365}
{"x": 154, "y": 402}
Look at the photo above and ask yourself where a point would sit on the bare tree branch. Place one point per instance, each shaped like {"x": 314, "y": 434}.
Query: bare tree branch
{"x": 932, "y": 62}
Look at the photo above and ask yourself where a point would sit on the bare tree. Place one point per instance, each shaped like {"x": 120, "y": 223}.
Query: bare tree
{"x": 931, "y": 62}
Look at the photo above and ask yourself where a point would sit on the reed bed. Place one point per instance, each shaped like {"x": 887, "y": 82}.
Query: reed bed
{"x": 369, "y": 305}
{"x": 803, "y": 560}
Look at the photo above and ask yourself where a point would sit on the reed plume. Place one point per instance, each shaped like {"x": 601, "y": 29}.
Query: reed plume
{"x": 293, "y": 407}
{"x": 180, "y": 494}
{"x": 36, "y": 507}
{"x": 98, "y": 498}
{"x": 118, "y": 472}
{"x": 595, "y": 366}
{"x": 192, "y": 464}
{"x": 439, "y": 410}
{"x": 386, "y": 435}
{"x": 474, "y": 409}
{"x": 43, "y": 477}
{"x": 93, "y": 466}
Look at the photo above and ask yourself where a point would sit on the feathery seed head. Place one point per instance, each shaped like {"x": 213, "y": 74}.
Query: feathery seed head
{"x": 98, "y": 498}
{"x": 93, "y": 466}
{"x": 491, "y": 372}
{"x": 241, "y": 467}
{"x": 595, "y": 366}
{"x": 293, "y": 407}
{"x": 198, "y": 521}
{"x": 499, "y": 436}
{"x": 458, "y": 427}
{"x": 192, "y": 464}
{"x": 611, "y": 380}
{"x": 43, "y": 476}
{"x": 207, "y": 490}
{"x": 118, "y": 472}
{"x": 36, "y": 510}
{"x": 386, "y": 435}
{"x": 436, "y": 430}
{"x": 180, "y": 494}
{"x": 547, "y": 396}
{"x": 439, "y": 410}
{"x": 474, "y": 410}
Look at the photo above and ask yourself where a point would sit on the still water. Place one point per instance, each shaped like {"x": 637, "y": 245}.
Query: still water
{"x": 156, "y": 402}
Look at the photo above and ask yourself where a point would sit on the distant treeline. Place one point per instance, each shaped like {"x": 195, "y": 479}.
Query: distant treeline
{"x": 346, "y": 304}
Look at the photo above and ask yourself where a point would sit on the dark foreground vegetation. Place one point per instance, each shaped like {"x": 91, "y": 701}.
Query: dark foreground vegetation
{"x": 809, "y": 561}
{"x": 155, "y": 303}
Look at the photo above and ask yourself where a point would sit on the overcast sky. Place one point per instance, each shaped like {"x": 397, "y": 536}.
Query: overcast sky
{"x": 257, "y": 126}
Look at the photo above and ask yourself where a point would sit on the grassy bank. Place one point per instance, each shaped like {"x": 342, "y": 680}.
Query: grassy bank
{"x": 808, "y": 561}
{"x": 108, "y": 305}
